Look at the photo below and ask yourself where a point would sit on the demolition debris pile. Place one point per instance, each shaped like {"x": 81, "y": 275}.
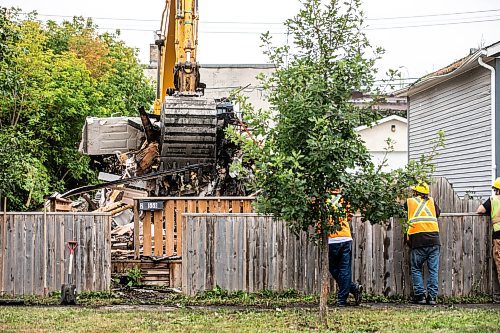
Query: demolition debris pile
{"x": 126, "y": 152}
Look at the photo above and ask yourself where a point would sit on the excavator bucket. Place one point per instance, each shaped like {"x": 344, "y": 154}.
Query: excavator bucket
{"x": 189, "y": 131}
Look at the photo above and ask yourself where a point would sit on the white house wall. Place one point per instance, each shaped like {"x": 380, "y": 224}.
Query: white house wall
{"x": 395, "y": 159}
{"x": 376, "y": 136}
{"x": 221, "y": 80}
{"x": 460, "y": 107}
{"x": 375, "y": 141}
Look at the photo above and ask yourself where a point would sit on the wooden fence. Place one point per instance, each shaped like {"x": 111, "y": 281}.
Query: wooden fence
{"x": 251, "y": 252}
{"x": 245, "y": 252}
{"x": 34, "y": 258}
{"x": 381, "y": 260}
{"x": 161, "y": 232}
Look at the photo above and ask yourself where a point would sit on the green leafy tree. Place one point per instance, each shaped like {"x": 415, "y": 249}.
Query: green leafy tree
{"x": 52, "y": 77}
{"x": 306, "y": 145}
{"x": 119, "y": 77}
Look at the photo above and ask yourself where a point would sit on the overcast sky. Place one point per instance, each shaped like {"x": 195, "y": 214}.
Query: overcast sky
{"x": 417, "y": 50}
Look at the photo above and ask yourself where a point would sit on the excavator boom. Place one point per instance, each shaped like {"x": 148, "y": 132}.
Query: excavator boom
{"x": 177, "y": 42}
{"x": 188, "y": 120}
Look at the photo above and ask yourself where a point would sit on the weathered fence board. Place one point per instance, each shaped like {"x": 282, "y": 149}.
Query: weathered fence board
{"x": 380, "y": 259}
{"x": 34, "y": 257}
{"x": 165, "y": 224}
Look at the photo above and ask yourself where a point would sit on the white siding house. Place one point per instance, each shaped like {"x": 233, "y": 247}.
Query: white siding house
{"x": 460, "y": 100}
{"x": 375, "y": 137}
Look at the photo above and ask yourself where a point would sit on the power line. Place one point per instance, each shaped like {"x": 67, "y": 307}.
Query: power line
{"x": 98, "y": 18}
{"x": 432, "y": 15}
{"x": 284, "y": 33}
{"x": 153, "y": 20}
{"x": 480, "y": 20}
{"x": 433, "y": 24}
{"x": 277, "y": 23}
{"x": 203, "y": 32}
{"x": 380, "y": 81}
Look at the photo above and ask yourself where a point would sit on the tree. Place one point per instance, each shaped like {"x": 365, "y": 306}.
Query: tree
{"x": 306, "y": 145}
{"x": 51, "y": 78}
{"x": 119, "y": 77}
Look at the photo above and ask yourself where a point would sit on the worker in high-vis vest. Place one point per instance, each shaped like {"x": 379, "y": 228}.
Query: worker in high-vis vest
{"x": 423, "y": 238}
{"x": 339, "y": 255}
{"x": 492, "y": 208}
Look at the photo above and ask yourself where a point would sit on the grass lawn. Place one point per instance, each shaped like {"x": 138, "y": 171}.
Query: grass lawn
{"x": 379, "y": 318}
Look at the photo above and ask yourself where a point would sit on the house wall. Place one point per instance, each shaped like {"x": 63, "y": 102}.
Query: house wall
{"x": 375, "y": 140}
{"x": 221, "y": 80}
{"x": 395, "y": 159}
{"x": 460, "y": 107}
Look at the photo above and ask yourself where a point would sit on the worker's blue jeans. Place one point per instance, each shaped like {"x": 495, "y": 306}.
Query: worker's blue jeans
{"x": 339, "y": 256}
{"x": 417, "y": 259}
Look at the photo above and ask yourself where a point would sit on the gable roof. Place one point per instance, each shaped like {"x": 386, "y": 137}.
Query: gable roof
{"x": 381, "y": 121}
{"x": 452, "y": 70}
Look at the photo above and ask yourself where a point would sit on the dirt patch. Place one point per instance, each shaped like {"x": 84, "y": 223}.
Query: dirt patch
{"x": 139, "y": 308}
{"x": 254, "y": 308}
{"x": 482, "y": 306}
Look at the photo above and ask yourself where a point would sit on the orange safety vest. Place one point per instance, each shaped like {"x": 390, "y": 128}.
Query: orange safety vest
{"x": 421, "y": 215}
{"x": 495, "y": 212}
{"x": 345, "y": 230}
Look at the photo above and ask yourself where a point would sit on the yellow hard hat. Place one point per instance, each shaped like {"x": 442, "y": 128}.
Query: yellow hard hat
{"x": 496, "y": 183}
{"x": 421, "y": 188}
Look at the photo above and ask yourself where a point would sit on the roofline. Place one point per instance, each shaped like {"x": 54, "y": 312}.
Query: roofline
{"x": 493, "y": 50}
{"x": 381, "y": 121}
{"x": 426, "y": 83}
{"x": 488, "y": 53}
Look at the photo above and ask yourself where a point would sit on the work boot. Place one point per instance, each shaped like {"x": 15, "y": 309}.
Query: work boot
{"x": 431, "y": 300}
{"x": 358, "y": 294}
{"x": 419, "y": 299}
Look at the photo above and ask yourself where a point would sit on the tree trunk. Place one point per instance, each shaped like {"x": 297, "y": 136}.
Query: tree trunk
{"x": 325, "y": 282}
{"x": 29, "y": 198}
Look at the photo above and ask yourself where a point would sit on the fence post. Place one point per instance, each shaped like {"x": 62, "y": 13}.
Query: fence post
{"x": 45, "y": 245}
{"x": 4, "y": 226}
{"x": 136, "y": 229}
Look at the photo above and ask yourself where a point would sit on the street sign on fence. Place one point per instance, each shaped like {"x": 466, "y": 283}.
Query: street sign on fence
{"x": 151, "y": 205}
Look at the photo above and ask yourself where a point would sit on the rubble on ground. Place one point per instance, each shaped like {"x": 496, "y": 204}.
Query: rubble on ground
{"x": 122, "y": 241}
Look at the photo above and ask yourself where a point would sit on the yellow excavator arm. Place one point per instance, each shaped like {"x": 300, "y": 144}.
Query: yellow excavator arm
{"x": 188, "y": 120}
{"x": 178, "y": 70}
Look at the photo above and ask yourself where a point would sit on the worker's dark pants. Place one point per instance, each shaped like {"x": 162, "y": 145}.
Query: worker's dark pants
{"x": 340, "y": 267}
{"x": 418, "y": 257}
